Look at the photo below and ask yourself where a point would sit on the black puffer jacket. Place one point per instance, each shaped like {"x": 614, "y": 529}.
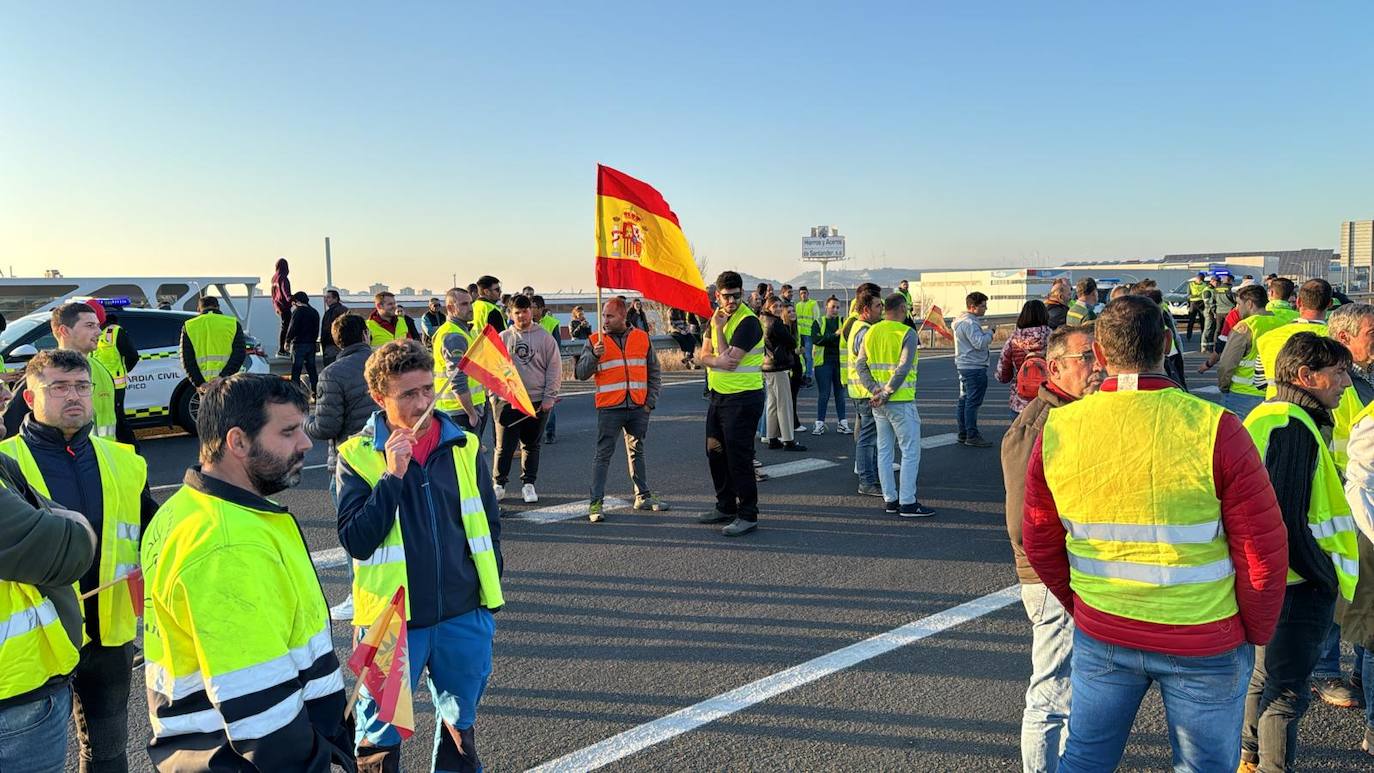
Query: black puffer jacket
{"x": 342, "y": 402}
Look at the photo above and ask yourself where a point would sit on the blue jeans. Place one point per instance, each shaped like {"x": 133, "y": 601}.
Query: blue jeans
{"x": 973, "y": 385}
{"x": 1329, "y": 662}
{"x": 806, "y": 355}
{"x": 1239, "y": 404}
{"x": 866, "y": 444}
{"x": 1204, "y": 703}
{"x": 33, "y": 735}
{"x": 828, "y": 383}
{"x": 899, "y": 424}
{"x": 1367, "y": 674}
{"x": 457, "y": 653}
{"x": 1045, "y": 722}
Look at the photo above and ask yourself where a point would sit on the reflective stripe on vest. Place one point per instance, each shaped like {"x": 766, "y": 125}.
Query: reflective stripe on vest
{"x": 1245, "y": 380}
{"x": 123, "y": 474}
{"x": 1328, "y": 514}
{"x": 376, "y": 578}
{"x": 1271, "y": 343}
{"x": 1159, "y": 552}
{"x": 34, "y": 647}
{"x": 748, "y": 375}
{"x": 107, "y": 352}
{"x": 808, "y": 313}
{"x": 882, "y": 351}
{"x": 212, "y": 340}
{"x": 102, "y": 400}
{"x": 848, "y": 354}
{"x": 621, "y": 373}
{"x": 450, "y": 402}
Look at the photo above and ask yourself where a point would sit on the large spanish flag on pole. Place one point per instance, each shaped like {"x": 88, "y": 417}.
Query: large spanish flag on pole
{"x": 640, "y": 244}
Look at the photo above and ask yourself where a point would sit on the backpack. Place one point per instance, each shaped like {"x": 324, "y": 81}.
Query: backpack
{"x": 1033, "y": 372}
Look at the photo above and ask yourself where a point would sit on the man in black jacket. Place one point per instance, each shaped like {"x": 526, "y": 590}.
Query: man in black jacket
{"x": 333, "y": 308}
{"x": 301, "y": 335}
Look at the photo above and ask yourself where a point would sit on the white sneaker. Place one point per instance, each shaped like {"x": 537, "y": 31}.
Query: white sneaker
{"x": 528, "y": 491}
{"x": 342, "y": 611}
{"x": 800, "y": 429}
{"x": 844, "y": 428}
{"x": 820, "y": 428}
{"x": 500, "y": 491}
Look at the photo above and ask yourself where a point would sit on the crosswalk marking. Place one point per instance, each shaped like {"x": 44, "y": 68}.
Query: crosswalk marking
{"x": 936, "y": 441}
{"x": 567, "y": 510}
{"x": 796, "y": 468}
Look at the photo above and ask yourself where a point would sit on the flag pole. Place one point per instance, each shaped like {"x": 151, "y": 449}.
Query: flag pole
{"x": 353, "y": 699}
{"x": 106, "y": 586}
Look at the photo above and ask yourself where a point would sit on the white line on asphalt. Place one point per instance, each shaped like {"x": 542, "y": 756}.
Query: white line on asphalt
{"x": 329, "y": 559}
{"x": 566, "y": 511}
{"x": 936, "y": 441}
{"x": 1211, "y": 389}
{"x": 167, "y": 486}
{"x": 639, "y": 738}
{"x": 796, "y": 468}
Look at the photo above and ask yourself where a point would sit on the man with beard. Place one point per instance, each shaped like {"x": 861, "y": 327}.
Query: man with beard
{"x": 409, "y": 463}
{"x": 241, "y": 671}
{"x": 108, "y": 483}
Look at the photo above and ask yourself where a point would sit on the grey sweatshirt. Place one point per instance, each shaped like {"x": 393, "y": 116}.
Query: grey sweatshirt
{"x": 905, "y": 361}
{"x": 587, "y": 362}
{"x": 971, "y": 342}
{"x": 537, "y": 360}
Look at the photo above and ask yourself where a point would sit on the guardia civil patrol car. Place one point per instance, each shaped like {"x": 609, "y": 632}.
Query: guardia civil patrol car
{"x": 159, "y": 393}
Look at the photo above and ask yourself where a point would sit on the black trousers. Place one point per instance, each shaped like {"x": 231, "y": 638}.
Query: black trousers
{"x": 100, "y": 707}
{"x": 514, "y": 428}
{"x": 123, "y": 433}
{"x": 1194, "y": 312}
{"x": 731, "y": 421}
{"x": 302, "y": 357}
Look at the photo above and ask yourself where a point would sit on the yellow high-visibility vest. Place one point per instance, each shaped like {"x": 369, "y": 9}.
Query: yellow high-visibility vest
{"x": 849, "y": 352}
{"x": 1144, "y": 547}
{"x": 883, "y": 350}
{"x": 1245, "y": 380}
{"x": 749, "y": 374}
{"x": 212, "y": 340}
{"x": 1271, "y": 343}
{"x": 450, "y": 402}
{"x": 107, "y": 352}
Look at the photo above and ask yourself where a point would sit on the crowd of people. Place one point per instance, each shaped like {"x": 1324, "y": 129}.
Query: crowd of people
{"x": 1229, "y": 574}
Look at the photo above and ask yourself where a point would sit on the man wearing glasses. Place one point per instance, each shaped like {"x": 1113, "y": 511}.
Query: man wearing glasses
{"x": 733, "y": 355}
{"x": 107, "y": 482}
{"x": 1073, "y": 373}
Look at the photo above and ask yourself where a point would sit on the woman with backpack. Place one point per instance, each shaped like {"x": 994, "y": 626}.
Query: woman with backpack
{"x": 1022, "y": 363}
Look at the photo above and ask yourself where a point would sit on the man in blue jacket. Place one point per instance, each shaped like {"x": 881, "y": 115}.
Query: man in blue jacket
{"x": 417, "y": 508}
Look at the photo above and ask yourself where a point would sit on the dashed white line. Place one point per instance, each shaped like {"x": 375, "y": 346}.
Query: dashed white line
{"x": 642, "y": 737}
{"x": 936, "y": 441}
{"x": 566, "y": 511}
{"x": 1211, "y": 389}
{"x": 796, "y": 468}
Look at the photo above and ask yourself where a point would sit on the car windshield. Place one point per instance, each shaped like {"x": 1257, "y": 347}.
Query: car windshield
{"x": 20, "y": 328}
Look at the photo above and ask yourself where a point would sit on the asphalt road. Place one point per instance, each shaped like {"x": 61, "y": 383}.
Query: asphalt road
{"x": 611, "y": 627}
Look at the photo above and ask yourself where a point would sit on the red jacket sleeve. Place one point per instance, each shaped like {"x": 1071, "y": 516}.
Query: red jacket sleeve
{"x": 1004, "y": 371}
{"x": 1254, "y": 529}
{"x": 1042, "y": 534}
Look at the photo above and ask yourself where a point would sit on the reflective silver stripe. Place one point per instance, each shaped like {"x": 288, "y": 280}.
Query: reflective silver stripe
{"x": 285, "y": 667}
{"x": 26, "y": 620}
{"x": 1346, "y": 565}
{"x": 385, "y": 555}
{"x": 124, "y": 570}
{"x": 129, "y": 531}
{"x": 479, "y": 544}
{"x": 1332, "y": 527}
{"x": 1339, "y": 445}
{"x": 207, "y": 721}
{"x": 325, "y": 685}
{"x": 1153, "y": 573}
{"x": 746, "y": 369}
{"x": 1200, "y": 533}
{"x": 471, "y": 505}
{"x": 611, "y": 365}
{"x": 1242, "y": 381}
{"x": 160, "y": 681}
{"x": 1250, "y": 363}
{"x": 269, "y": 721}
{"x": 617, "y": 387}
{"x": 635, "y": 361}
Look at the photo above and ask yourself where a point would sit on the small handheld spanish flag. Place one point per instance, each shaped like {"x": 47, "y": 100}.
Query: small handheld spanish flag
{"x": 935, "y": 320}
{"x": 382, "y": 662}
{"x": 488, "y": 361}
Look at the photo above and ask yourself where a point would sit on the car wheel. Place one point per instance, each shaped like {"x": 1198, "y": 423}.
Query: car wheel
{"x": 187, "y": 408}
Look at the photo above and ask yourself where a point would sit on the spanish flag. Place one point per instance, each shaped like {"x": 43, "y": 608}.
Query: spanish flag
{"x": 382, "y": 663}
{"x": 935, "y": 320}
{"x": 640, "y": 244}
{"x": 488, "y": 361}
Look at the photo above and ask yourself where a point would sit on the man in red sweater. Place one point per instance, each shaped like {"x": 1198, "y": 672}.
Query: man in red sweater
{"x": 1150, "y": 516}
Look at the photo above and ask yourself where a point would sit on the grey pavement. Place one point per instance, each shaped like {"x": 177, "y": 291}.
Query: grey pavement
{"x": 612, "y": 626}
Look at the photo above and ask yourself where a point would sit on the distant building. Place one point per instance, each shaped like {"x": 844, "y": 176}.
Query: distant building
{"x": 378, "y": 288}
{"x": 406, "y": 291}
{"x": 1357, "y": 252}
{"x": 426, "y": 291}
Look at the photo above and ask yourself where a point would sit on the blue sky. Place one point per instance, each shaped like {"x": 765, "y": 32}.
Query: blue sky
{"x": 437, "y": 138}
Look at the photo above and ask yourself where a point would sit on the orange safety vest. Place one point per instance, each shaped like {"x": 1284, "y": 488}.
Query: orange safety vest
{"x": 618, "y": 371}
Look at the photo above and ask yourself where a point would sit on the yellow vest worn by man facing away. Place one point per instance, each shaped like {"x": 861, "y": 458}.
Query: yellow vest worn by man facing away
{"x": 212, "y": 339}
{"x": 1271, "y": 343}
{"x": 849, "y": 352}
{"x": 1328, "y": 515}
{"x": 1156, "y": 550}
{"x": 449, "y": 402}
{"x": 808, "y": 312}
{"x": 376, "y": 578}
{"x": 883, "y": 350}
{"x": 123, "y": 474}
{"x": 1245, "y": 381}
{"x": 749, "y": 375}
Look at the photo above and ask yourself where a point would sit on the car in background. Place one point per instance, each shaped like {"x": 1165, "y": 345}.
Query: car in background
{"x": 159, "y": 392}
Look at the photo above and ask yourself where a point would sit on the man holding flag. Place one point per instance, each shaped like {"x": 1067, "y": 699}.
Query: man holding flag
{"x": 108, "y": 483}
{"x": 417, "y": 511}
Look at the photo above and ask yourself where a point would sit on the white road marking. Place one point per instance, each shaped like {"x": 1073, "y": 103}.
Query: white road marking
{"x": 936, "y": 441}
{"x": 169, "y": 486}
{"x": 796, "y": 468}
{"x": 566, "y": 511}
{"x": 329, "y": 559}
{"x": 642, "y": 737}
{"x": 1211, "y": 389}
